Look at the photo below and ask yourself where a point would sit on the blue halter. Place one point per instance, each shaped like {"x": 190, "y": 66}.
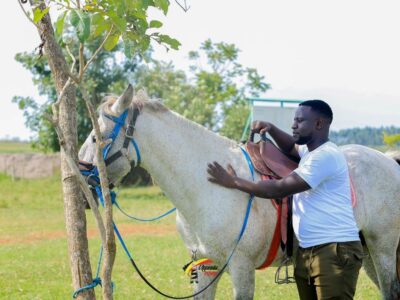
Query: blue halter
{"x": 120, "y": 123}
{"x": 92, "y": 173}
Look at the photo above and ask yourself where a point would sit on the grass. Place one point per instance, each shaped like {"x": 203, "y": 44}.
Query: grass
{"x": 11, "y": 147}
{"x": 34, "y": 259}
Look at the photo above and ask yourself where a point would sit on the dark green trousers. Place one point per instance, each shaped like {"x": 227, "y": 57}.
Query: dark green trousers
{"x": 328, "y": 271}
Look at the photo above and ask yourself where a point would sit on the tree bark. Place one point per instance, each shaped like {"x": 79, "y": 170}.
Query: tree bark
{"x": 74, "y": 209}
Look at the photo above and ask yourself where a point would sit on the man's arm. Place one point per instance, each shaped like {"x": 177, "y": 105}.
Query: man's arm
{"x": 270, "y": 189}
{"x": 284, "y": 141}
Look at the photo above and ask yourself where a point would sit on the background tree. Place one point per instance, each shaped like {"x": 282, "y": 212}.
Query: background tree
{"x": 367, "y": 136}
{"x": 110, "y": 72}
{"x": 391, "y": 140}
{"x": 213, "y": 93}
{"x": 112, "y": 20}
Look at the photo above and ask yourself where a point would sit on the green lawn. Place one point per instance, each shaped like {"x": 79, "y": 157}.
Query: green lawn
{"x": 33, "y": 251}
{"x": 10, "y": 147}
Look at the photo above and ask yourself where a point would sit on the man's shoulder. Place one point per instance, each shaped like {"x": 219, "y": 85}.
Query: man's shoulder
{"x": 329, "y": 148}
{"x": 327, "y": 153}
{"x": 331, "y": 154}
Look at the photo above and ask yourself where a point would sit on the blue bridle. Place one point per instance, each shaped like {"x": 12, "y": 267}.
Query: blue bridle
{"x": 91, "y": 172}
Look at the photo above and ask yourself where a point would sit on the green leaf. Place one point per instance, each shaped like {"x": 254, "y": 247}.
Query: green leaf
{"x": 162, "y": 4}
{"x": 121, "y": 7}
{"x": 141, "y": 26}
{"x": 97, "y": 19}
{"x": 60, "y": 24}
{"x": 20, "y": 101}
{"x": 81, "y": 21}
{"x": 38, "y": 14}
{"x": 144, "y": 43}
{"x": 129, "y": 47}
{"x": 119, "y": 22}
{"x": 146, "y": 3}
{"x": 112, "y": 41}
{"x": 99, "y": 25}
{"x": 155, "y": 24}
{"x": 173, "y": 43}
{"x": 139, "y": 14}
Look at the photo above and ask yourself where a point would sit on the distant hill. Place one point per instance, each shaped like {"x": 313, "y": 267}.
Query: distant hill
{"x": 368, "y": 136}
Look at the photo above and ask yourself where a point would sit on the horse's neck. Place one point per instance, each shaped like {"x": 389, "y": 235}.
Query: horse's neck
{"x": 176, "y": 151}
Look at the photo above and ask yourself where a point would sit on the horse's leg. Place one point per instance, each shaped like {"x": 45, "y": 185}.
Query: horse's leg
{"x": 383, "y": 254}
{"x": 369, "y": 268}
{"x": 398, "y": 260}
{"x": 243, "y": 278}
{"x": 202, "y": 281}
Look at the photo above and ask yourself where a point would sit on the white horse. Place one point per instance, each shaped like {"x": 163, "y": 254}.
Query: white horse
{"x": 176, "y": 151}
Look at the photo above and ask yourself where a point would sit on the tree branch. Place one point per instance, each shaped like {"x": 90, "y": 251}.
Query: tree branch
{"x": 88, "y": 194}
{"x": 109, "y": 246}
{"x": 71, "y": 71}
{"x": 98, "y": 49}
{"x": 26, "y": 14}
{"x": 56, "y": 106}
{"x": 185, "y": 7}
{"x": 81, "y": 61}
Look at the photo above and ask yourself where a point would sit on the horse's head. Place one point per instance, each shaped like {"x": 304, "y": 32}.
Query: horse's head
{"x": 117, "y": 117}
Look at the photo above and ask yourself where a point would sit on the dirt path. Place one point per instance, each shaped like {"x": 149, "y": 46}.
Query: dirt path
{"x": 125, "y": 229}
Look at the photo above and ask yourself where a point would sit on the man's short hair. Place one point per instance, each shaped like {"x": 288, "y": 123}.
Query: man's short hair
{"x": 320, "y": 107}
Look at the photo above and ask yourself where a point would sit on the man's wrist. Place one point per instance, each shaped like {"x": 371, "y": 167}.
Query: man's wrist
{"x": 272, "y": 128}
{"x": 234, "y": 184}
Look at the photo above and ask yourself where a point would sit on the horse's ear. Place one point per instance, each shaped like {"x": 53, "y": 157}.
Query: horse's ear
{"x": 123, "y": 101}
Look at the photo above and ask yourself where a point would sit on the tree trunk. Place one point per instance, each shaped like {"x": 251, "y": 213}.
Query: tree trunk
{"x": 74, "y": 209}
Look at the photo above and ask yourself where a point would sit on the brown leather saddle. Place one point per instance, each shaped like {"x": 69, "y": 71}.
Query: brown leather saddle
{"x": 269, "y": 160}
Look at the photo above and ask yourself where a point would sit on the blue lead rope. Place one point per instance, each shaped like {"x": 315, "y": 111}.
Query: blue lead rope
{"x": 140, "y": 219}
{"x": 96, "y": 281}
{"x": 249, "y": 163}
{"x": 115, "y": 202}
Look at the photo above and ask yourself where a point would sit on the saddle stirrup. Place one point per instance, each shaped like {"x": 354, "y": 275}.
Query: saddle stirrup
{"x": 286, "y": 277}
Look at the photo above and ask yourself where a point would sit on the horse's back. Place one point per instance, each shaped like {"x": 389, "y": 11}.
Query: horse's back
{"x": 376, "y": 180}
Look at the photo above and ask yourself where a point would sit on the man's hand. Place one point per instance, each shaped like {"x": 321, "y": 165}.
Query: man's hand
{"x": 221, "y": 176}
{"x": 261, "y": 127}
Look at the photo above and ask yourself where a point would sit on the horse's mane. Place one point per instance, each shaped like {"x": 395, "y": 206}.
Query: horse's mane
{"x": 142, "y": 99}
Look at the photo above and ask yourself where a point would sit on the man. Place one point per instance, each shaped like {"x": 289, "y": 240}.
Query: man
{"x": 330, "y": 253}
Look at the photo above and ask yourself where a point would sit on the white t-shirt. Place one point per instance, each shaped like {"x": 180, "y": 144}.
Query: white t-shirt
{"x": 324, "y": 214}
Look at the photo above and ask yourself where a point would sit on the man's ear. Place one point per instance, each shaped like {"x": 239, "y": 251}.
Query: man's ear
{"x": 320, "y": 123}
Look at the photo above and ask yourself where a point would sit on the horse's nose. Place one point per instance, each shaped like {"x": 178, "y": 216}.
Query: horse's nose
{"x": 85, "y": 166}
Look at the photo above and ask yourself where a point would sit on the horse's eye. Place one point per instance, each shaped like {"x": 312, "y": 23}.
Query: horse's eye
{"x": 93, "y": 139}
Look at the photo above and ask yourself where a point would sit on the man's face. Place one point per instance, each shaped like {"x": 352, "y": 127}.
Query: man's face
{"x": 304, "y": 125}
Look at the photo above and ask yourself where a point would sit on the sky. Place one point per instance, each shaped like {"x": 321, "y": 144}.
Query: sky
{"x": 346, "y": 52}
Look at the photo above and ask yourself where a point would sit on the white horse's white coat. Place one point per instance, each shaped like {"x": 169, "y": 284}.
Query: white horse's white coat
{"x": 176, "y": 151}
